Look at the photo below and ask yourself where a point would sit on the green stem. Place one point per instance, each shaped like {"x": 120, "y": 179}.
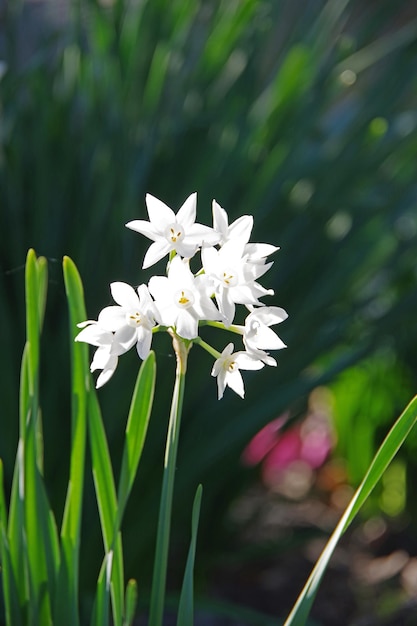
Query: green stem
{"x": 207, "y": 347}
{"x": 181, "y": 348}
{"x": 234, "y": 328}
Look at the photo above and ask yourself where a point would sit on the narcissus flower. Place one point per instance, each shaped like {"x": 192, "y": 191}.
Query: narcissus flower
{"x": 234, "y": 280}
{"x": 172, "y": 232}
{"x": 108, "y": 349}
{"x": 240, "y": 228}
{"x": 226, "y": 369}
{"x": 133, "y": 319}
{"x": 181, "y": 299}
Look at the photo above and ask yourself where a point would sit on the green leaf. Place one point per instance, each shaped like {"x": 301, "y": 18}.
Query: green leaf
{"x": 186, "y": 606}
{"x": 382, "y": 459}
{"x": 101, "y": 604}
{"x": 106, "y": 501}
{"x": 32, "y": 319}
{"x": 10, "y": 587}
{"x": 136, "y": 429}
{"x": 131, "y": 600}
{"x": 66, "y": 608}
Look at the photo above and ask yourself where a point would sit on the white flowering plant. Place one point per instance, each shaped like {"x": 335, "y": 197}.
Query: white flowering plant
{"x": 41, "y": 559}
{"x": 182, "y": 301}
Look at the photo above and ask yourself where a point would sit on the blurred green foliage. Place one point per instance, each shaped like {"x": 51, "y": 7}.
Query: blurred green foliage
{"x": 300, "y": 113}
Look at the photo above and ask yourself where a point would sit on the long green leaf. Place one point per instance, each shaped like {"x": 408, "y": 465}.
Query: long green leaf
{"x": 32, "y": 319}
{"x": 136, "y": 429}
{"x": 131, "y": 599}
{"x": 10, "y": 586}
{"x": 101, "y": 604}
{"x": 66, "y": 608}
{"x": 382, "y": 459}
{"x": 186, "y": 605}
{"x": 106, "y": 501}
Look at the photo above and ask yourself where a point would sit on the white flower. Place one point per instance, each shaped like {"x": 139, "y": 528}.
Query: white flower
{"x": 172, "y": 232}
{"x": 108, "y": 350}
{"x": 257, "y": 334}
{"x": 240, "y": 228}
{"x": 181, "y": 299}
{"x": 227, "y": 367}
{"x": 234, "y": 280}
{"x": 132, "y": 321}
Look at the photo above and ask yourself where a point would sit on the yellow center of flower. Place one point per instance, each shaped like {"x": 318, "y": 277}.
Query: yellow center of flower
{"x": 134, "y": 318}
{"x": 229, "y": 278}
{"x": 184, "y": 298}
{"x": 174, "y": 233}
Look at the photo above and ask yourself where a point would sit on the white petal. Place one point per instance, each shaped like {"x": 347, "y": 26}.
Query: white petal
{"x": 200, "y": 234}
{"x": 235, "y": 381}
{"x": 243, "y": 294}
{"x": 186, "y": 249}
{"x": 124, "y": 339}
{"x": 112, "y": 317}
{"x": 101, "y": 358}
{"x": 180, "y": 275}
{"x": 143, "y": 345}
{"x": 226, "y": 306}
{"x": 268, "y": 315}
{"x": 187, "y": 324}
{"x": 124, "y": 295}
{"x": 86, "y": 323}
{"x": 220, "y": 220}
{"x": 107, "y": 372}
{"x": 245, "y": 362}
{"x": 221, "y": 384}
{"x": 144, "y": 228}
{"x": 210, "y": 260}
{"x": 95, "y": 335}
{"x": 155, "y": 253}
{"x": 187, "y": 213}
{"x": 159, "y": 213}
{"x": 241, "y": 228}
{"x": 257, "y": 251}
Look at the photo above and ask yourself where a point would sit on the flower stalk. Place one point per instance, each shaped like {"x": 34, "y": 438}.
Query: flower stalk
{"x": 181, "y": 348}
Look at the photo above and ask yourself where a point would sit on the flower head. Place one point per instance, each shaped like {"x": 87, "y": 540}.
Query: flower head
{"x": 227, "y": 367}
{"x": 108, "y": 349}
{"x": 172, "y": 232}
{"x": 132, "y": 320}
{"x": 240, "y": 228}
{"x": 181, "y": 299}
{"x": 234, "y": 280}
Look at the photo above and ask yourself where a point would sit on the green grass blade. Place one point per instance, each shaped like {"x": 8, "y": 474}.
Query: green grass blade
{"x": 38, "y": 541}
{"x": 101, "y": 605}
{"x": 10, "y": 588}
{"x": 32, "y": 319}
{"x": 186, "y": 605}
{"x": 106, "y": 501}
{"x": 10, "y": 592}
{"x": 131, "y": 600}
{"x": 382, "y": 459}
{"x": 66, "y": 609}
{"x": 136, "y": 429}
{"x": 42, "y": 274}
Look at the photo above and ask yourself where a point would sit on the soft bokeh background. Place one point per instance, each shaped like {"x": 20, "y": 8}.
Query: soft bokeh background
{"x": 302, "y": 113}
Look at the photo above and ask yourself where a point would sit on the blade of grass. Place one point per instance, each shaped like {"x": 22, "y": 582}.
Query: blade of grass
{"x": 136, "y": 429}
{"x": 10, "y": 593}
{"x": 382, "y": 459}
{"x": 186, "y": 605}
{"x": 131, "y": 600}
{"x": 66, "y": 608}
{"x": 106, "y": 501}
{"x": 101, "y": 605}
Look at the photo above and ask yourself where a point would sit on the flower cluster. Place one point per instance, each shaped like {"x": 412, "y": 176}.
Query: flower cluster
{"x": 181, "y": 301}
